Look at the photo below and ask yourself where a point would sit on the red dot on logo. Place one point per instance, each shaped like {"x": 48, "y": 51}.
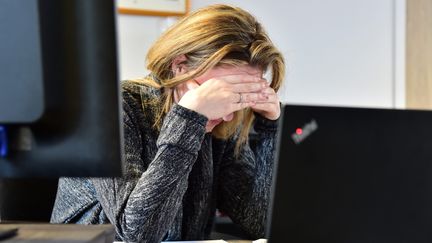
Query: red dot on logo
{"x": 299, "y": 131}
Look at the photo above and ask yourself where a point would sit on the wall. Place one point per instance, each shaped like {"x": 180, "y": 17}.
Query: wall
{"x": 135, "y": 36}
{"x": 338, "y": 52}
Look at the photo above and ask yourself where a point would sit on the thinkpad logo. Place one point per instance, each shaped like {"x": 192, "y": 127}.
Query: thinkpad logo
{"x": 302, "y": 133}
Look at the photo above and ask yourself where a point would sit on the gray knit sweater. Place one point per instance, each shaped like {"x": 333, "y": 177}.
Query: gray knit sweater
{"x": 175, "y": 178}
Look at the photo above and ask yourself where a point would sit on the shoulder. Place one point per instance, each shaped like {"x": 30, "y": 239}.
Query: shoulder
{"x": 135, "y": 92}
{"x": 140, "y": 102}
{"x": 138, "y": 94}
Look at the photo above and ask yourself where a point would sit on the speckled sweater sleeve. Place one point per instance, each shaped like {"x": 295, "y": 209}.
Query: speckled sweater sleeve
{"x": 144, "y": 203}
{"x": 245, "y": 186}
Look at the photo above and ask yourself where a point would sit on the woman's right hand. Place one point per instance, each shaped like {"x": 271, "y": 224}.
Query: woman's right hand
{"x": 221, "y": 96}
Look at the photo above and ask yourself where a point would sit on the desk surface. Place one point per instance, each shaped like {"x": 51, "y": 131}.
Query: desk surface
{"x": 68, "y": 233}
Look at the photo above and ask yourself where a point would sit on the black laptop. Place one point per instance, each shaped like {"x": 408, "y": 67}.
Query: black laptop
{"x": 352, "y": 175}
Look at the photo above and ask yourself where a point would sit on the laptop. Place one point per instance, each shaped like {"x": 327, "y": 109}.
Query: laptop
{"x": 352, "y": 175}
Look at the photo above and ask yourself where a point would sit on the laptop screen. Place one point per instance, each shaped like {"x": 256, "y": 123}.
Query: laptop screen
{"x": 352, "y": 175}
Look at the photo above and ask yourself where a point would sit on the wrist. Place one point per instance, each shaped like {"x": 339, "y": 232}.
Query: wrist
{"x": 262, "y": 124}
{"x": 191, "y": 102}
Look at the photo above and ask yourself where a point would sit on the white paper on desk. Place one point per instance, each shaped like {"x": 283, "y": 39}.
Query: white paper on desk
{"x": 197, "y": 241}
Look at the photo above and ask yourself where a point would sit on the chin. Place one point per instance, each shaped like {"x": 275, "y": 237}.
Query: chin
{"x": 212, "y": 124}
{"x": 209, "y": 128}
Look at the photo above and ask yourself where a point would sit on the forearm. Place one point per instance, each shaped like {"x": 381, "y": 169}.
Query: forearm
{"x": 155, "y": 200}
{"x": 144, "y": 206}
{"x": 251, "y": 181}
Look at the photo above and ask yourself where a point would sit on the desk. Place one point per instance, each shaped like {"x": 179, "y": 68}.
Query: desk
{"x": 64, "y": 233}
{"x": 67, "y": 233}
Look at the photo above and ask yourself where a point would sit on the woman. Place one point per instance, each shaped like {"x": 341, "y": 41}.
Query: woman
{"x": 186, "y": 130}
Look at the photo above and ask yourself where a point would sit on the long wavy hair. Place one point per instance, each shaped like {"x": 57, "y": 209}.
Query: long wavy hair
{"x": 209, "y": 37}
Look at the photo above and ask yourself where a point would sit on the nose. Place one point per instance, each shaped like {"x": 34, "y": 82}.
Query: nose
{"x": 228, "y": 117}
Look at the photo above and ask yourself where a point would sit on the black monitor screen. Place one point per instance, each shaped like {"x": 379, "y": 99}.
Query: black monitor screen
{"x": 59, "y": 89}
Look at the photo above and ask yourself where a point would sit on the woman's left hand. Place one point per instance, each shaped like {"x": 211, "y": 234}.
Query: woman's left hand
{"x": 269, "y": 108}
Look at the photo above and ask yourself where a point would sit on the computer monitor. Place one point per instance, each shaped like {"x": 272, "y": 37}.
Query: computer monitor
{"x": 59, "y": 89}
{"x": 352, "y": 175}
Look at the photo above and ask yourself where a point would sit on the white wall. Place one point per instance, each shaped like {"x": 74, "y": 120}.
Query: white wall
{"x": 338, "y": 52}
{"x": 135, "y": 36}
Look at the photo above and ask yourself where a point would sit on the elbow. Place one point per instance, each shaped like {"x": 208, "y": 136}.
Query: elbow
{"x": 131, "y": 229}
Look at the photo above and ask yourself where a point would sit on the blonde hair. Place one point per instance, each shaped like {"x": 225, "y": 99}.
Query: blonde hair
{"x": 212, "y": 36}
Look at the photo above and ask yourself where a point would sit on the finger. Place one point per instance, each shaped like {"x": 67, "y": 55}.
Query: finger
{"x": 267, "y": 110}
{"x": 241, "y": 106}
{"x": 252, "y": 97}
{"x": 272, "y": 98}
{"x": 263, "y": 107}
{"x": 249, "y": 87}
{"x": 241, "y": 78}
{"x": 268, "y": 90}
